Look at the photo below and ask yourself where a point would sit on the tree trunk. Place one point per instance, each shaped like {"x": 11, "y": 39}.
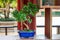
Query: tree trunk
{"x": 4, "y": 13}
{"x": 4, "y": 10}
{"x": 7, "y": 10}
{"x": 21, "y": 26}
{"x": 26, "y": 25}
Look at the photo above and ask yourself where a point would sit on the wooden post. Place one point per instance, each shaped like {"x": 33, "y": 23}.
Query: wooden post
{"x": 48, "y": 23}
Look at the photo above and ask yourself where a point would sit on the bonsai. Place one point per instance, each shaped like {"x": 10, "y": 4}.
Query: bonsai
{"x": 25, "y": 13}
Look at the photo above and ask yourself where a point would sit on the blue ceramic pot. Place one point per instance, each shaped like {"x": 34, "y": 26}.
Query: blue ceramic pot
{"x": 26, "y": 34}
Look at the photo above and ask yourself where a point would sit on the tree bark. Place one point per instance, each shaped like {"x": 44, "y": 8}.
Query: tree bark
{"x": 26, "y": 25}
{"x": 7, "y": 10}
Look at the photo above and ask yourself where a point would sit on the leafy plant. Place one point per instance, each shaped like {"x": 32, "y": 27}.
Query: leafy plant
{"x": 25, "y": 13}
{"x": 30, "y": 9}
{"x": 6, "y": 4}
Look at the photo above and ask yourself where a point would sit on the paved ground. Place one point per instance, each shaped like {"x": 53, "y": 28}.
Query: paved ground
{"x": 39, "y": 31}
{"x": 38, "y": 37}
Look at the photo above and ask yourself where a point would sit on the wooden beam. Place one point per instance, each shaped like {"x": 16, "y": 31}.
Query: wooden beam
{"x": 47, "y": 6}
{"x": 55, "y": 6}
{"x": 48, "y": 23}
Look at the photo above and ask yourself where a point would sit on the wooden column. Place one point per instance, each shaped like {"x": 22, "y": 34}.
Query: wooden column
{"x": 19, "y": 7}
{"x": 33, "y": 24}
{"x": 33, "y": 1}
{"x": 30, "y": 1}
{"x": 25, "y": 1}
{"x": 19, "y": 4}
{"x": 48, "y": 23}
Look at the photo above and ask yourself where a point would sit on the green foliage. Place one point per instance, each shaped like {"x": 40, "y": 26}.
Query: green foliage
{"x": 16, "y": 15}
{"x": 13, "y": 4}
{"x": 20, "y": 16}
{"x": 25, "y": 13}
{"x": 23, "y": 16}
{"x": 29, "y": 20}
{"x": 32, "y": 8}
{"x": 3, "y": 2}
{"x": 26, "y": 9}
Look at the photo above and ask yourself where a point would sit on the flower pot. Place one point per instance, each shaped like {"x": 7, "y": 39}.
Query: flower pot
{"x": 26, "y": 34}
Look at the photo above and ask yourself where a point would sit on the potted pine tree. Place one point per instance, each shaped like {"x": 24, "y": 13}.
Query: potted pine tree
{"x": 25, "y": 15}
